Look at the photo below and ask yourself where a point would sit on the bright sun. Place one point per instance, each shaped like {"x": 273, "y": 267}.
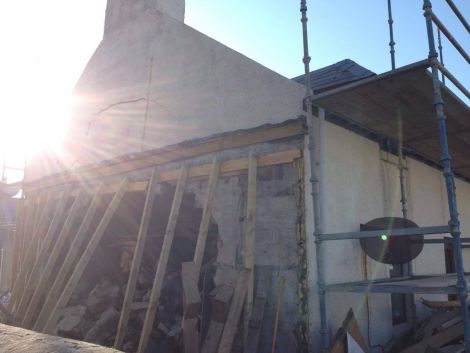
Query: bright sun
{"x": 32, "y": 127}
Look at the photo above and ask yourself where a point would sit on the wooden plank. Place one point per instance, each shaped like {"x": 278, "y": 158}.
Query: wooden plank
{"x": 163, "y": 261}
{"x": 69, "y": 261}
{"x": 30, "y": 254}
{"x": 45, "y": 280}
{"x": 36, "y": 271}
{"x": 191, "y": 306}
{"x": 236, "y": 307}
{"x": 432, "y": 304}
{"x": 220, "y": 300}
{"x": 439, "y": 339}
{"x": 137, "y": 258}
{"x": 280, "y": 293}
{"x": 250, "y": 226}
{"x": 264, "y": 277}
{"x": 206, "y": 215}
{"x": 191, "y": 335}
{"x": 165, "y": 155}
{"x": 85, "y": 259}
{"x": 191, "y": 296}
{"x": 202, "y": 171}
{"x": 18, "y": 237}
{"x": 26, "y": 226}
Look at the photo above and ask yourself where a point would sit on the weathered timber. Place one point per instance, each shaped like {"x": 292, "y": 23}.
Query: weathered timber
{"x": 165, "y": 155}
{"x": 71, "y": 258}
{"x": 191, "y": 306}
{"x": 206, "y": 215}
{"x": 45, "y": 279}
{"x": 30, "y": 255}
{"x": 163, "y": 261}
{"x": 236, "y": 307}
{"x": 137, "y": 258}
{"x": 250, "y": 226}
{"x": 84, "y": 260}
{"x": 43, "y": 254}
{"x": 202, "y": 171}
{"x": 255, "y": 322}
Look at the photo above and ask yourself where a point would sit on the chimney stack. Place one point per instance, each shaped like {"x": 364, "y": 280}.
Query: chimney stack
{"x": 121, "y": 12}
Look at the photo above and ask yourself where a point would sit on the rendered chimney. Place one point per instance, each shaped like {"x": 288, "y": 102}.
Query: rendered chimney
{"x": 121, "y": 12}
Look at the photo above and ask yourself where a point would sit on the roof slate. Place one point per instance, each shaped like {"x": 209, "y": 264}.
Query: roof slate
{"x": 343, "y": 72}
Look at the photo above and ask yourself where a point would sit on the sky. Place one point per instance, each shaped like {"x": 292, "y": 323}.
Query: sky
{"x": 46, "y": 45}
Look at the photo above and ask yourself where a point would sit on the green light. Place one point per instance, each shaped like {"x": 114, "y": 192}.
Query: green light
{"x": 384, "y": 237}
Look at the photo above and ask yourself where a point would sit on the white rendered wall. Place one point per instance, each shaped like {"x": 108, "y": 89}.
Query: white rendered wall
{"x": 361, "y": 183}
{"x": 154, "y": 81}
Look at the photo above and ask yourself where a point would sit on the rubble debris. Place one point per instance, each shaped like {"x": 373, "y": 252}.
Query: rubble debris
{"x": 68, "y": 325}
{"x": 102, "y": 296}
{"x": 441, "y": 332}
{"x": 104, "y": 327}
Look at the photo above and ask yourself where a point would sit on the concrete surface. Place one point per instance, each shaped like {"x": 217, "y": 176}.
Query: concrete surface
{"x": 18, "y": 340}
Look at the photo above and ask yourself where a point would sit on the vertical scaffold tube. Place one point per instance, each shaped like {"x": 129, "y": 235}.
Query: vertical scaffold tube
{"x": 448, "y": 176}
{"x": 390, "y": 28}
{"x": 441, "y": 55}
{"x": 314, "y": 180}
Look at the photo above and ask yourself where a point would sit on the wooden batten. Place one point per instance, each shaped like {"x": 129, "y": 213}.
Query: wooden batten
{"x": 137, "y": 259}
{"x": 163, "y": 261}
{"x": 169, "y": 154}
{"x": 85, "y": 258}
{"x": 203, "y": 171}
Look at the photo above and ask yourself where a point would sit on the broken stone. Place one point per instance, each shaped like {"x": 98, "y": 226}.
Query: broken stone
{"x": 136, "y": 306}
{"x": 104, "y": 327}
{"x": 102, "y": 296}
{"x": 69, "y": 324}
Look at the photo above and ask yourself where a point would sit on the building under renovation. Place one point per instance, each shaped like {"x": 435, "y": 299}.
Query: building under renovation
{"x": 204, "y": 203}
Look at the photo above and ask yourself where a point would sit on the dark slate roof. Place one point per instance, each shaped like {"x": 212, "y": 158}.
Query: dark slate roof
{"x": 343, "y": 72}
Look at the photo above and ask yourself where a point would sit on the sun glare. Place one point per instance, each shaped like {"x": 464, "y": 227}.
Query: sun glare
{"x": 32, "y": 127}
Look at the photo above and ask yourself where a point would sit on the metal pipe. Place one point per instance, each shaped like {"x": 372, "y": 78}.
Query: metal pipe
{"x": 454, "y": 80}
{"x": 449, "y": 36}
{"x": 454, "y": 222}
{"x": 441, "y": 55}
{"x": 390, "y": 27}
{"x": 459, "y": 15}
{"x": 401, "y": 167}
{"x": 398, "y": 232}
{"x": 314, "y": 180}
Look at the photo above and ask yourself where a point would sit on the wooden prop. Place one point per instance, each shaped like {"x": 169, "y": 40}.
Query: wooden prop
{"x": 192, "y": 307}
{"x": 30, "y": 255}
{"x": 280, "y": 293}
{"x": 220, "y": 300}
{"x": 85, "y": 259}
{"x": 44, "y": 282}
{"x": 18, "y": 237}
{"x": 163, "y": 261}
{"x": 69, "y": 261}
{"x": 235, "y": 311}
{"x": 250, "y": 226}
{"x": 206, "y": 215}
{"x": 264, "y": 275}
{"x": 137, "y": 259}
{"x": 42, "y": 256}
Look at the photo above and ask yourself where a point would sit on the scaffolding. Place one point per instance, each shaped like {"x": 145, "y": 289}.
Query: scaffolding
{"x": 413, "y": 284}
